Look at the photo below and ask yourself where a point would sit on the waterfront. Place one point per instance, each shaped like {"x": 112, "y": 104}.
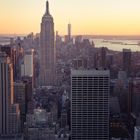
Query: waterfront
{"x": 112, "y": 44}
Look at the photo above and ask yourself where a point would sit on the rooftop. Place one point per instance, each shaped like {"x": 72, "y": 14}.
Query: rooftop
{"x": 90, "y": 72}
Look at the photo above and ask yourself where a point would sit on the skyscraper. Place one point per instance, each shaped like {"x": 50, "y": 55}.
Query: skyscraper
{"x": 90, "y": 104}
{"x": 127, "y": 61}
{"x": 5, "y": 93}
{"x": 134, "y": 96}
{"x": 20, "y": 97}
{"x": 103, "y": 57}
{"x": 47, "y": 49}
{"x": 8, "y": 126}
{"x": 69, "y": 32}
{"x": 28, "y": 68}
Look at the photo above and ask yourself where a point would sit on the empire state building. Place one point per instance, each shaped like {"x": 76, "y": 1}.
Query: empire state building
{"x": 47, "y": 50}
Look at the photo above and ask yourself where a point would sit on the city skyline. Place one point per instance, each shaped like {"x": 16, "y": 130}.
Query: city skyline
{"x": 68, "y": 86}
{"x": 87, "y": 17}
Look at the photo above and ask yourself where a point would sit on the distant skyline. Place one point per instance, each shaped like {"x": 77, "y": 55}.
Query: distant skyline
{"x": 96, "y": 17}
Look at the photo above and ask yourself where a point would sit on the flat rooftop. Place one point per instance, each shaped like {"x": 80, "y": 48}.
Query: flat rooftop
{"x": 90, "y": 72}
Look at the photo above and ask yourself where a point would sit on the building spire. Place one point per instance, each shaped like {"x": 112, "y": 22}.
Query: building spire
{"x": 47, "y": 8}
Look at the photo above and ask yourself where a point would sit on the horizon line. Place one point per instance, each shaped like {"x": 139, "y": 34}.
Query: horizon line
{"x": 25, "y": 34}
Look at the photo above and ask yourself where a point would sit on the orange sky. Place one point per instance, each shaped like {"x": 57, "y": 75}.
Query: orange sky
{"x": 111, "y": 17}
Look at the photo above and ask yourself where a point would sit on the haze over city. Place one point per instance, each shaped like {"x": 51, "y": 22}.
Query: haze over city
{"x": 106, "y": 17}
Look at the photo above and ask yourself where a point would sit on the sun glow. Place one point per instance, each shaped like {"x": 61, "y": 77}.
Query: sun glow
{"x": 87, "y": 16}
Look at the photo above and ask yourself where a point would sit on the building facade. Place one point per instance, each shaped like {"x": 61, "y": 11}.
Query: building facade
{"x": 90, "y": 104}
{"x": 137, "y": 133}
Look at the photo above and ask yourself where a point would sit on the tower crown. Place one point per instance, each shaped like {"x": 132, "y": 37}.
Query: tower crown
{"x": 47, "y": 15}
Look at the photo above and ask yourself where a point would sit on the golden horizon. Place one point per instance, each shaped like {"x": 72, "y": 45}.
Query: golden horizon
{"x": 91, "y": 18}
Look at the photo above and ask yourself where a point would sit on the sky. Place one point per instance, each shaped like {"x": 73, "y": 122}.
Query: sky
{"x": 96, "y": 17}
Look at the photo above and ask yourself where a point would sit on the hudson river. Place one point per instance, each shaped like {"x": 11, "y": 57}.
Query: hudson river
{"x": 118, "y": 45}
